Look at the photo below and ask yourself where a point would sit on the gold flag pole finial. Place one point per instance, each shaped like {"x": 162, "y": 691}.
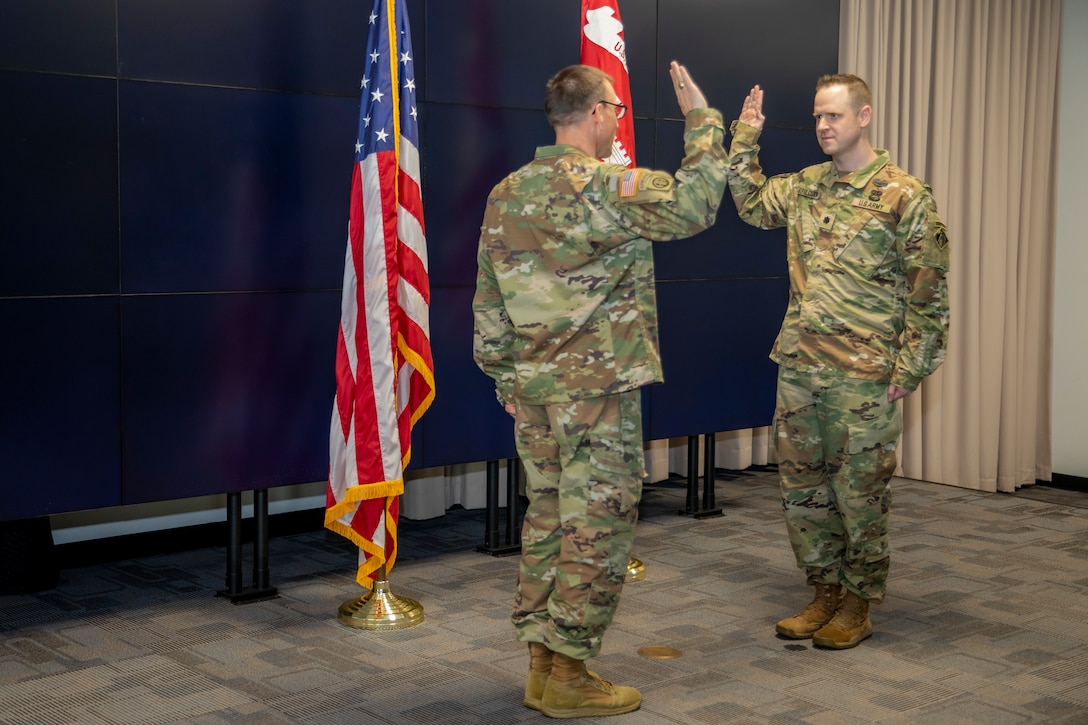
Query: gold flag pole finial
{"x": 380, "y": 608}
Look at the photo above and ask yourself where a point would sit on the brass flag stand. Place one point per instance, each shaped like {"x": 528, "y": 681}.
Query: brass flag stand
{"x": 636, "y": 570}
{"x": 381, "y": 608}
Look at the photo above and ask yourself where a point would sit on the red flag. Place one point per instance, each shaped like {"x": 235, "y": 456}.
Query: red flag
{"x": 384, "y": 369}
{"x": 603, "y": 47}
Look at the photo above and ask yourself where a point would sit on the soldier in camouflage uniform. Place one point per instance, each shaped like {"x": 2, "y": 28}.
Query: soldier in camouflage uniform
{"x": 566, "y": 324}
{"x": 867, "y": 319}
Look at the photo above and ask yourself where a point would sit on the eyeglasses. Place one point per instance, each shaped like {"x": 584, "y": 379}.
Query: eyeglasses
{"x": 621, "y": 110}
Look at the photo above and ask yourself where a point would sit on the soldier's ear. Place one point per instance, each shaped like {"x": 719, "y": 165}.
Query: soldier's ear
{"x": 865, "y": 115}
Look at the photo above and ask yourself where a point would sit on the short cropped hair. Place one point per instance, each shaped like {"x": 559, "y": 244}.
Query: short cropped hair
{"x": 856, "y": 88}
{"x": 573, "y": 91}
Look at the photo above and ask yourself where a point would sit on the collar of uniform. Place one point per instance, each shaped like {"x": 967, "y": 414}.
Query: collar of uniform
{"x": 562, "y": 149}
{"x": 857, "y": 179}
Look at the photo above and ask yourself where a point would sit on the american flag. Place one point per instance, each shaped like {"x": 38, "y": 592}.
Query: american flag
{"x": 384, "y": 369}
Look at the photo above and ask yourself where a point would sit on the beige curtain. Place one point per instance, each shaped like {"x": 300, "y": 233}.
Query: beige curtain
{"x": 965, "y": 97}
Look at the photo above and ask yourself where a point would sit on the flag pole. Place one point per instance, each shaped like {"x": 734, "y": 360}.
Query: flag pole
{"x": 384, "y": 367}
{"x": 380, "y": 608}
{"x": 603, "y": 46}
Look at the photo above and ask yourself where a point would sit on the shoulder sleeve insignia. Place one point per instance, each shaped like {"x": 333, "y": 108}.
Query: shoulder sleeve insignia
{"x": 641, "y": 186}
{"x": 940, "y": 236}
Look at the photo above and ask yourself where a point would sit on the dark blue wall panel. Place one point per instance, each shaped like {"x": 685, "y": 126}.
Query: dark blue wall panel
{"x": 731, "y": 45}
{"x": 226, "y": 189}
{"x": 61, "y": 413}
{"x": 715, "y": 337}
{"x": 315, "y": 46}
{"x": 59, "y": 36}
{"x": 466, "y": 422}
{"x": 176, "y": 179}
{"x": 497, "y": 52}
{"x": 59, "y": 186}
{"x": 732, "y": 248}
{"x": 226, "y": 392}
{"x": 470, "y": 149}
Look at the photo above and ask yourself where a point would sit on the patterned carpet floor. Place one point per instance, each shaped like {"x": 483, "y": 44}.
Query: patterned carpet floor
{"x": 986, "y": 621}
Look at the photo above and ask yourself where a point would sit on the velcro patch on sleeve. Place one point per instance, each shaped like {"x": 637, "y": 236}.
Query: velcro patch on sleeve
{"x": 629, "y": 183}
{"x": 642, "y": 186}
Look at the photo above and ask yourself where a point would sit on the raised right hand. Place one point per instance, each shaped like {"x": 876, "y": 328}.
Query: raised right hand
{"x": 688, "y": 95}
{"x": 751, "y": 112}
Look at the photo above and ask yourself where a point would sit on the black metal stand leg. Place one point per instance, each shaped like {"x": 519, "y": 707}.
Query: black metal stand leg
{"x": 234, "y": 545}
{"x": 259, "y": 590}
{"x": 491, "y": 534}
{"x": 693, "y": 474}
{"x": 706, "y": 509}
{"x": 260, "y": 540}
{"x": 708, "y": 472}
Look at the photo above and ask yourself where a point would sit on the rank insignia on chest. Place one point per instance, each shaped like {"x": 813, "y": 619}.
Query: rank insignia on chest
{"x": 826, "y": 221}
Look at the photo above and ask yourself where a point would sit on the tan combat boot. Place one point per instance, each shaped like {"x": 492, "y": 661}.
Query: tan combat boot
{"x": 818, "y": 613}
{"x": 540, "y": 666}
{"x": 849, "y": 626}
{"x": 571, "y": 691}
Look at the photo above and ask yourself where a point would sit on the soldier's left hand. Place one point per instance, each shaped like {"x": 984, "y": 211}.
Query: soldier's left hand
{"x": 751, "y": 111}
{"x": 895, "y": 393}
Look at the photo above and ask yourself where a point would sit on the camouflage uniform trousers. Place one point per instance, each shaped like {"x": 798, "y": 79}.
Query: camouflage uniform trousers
{"x": 584, "y": 469}
{"x": 835, "y": 439}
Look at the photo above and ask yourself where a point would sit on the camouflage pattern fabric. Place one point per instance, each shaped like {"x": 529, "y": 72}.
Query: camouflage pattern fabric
{"x": 566, "y": 325}
{"x": 584, "y": 466}
{"x": 835, "y": 439}
{"x": 868, "y": 260}
{"x": 868, "y": 257}
{"x": 565, "y": 304}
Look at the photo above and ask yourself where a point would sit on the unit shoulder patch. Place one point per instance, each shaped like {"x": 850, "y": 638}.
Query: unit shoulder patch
{"x": 940, "y": 234}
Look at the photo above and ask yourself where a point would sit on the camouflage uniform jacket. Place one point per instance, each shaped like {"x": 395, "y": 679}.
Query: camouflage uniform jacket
{"x": 565, "y": 306}
{"x": 868, "y": 259}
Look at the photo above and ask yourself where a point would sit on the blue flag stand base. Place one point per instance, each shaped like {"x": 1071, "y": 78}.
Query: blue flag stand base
{"x": 259, "y": 590}
{"x": 511, "y": 543}
{"x": 694, "y": 507}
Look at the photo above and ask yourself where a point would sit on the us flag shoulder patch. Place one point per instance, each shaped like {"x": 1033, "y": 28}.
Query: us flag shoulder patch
{"x": 629, "y": 183}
